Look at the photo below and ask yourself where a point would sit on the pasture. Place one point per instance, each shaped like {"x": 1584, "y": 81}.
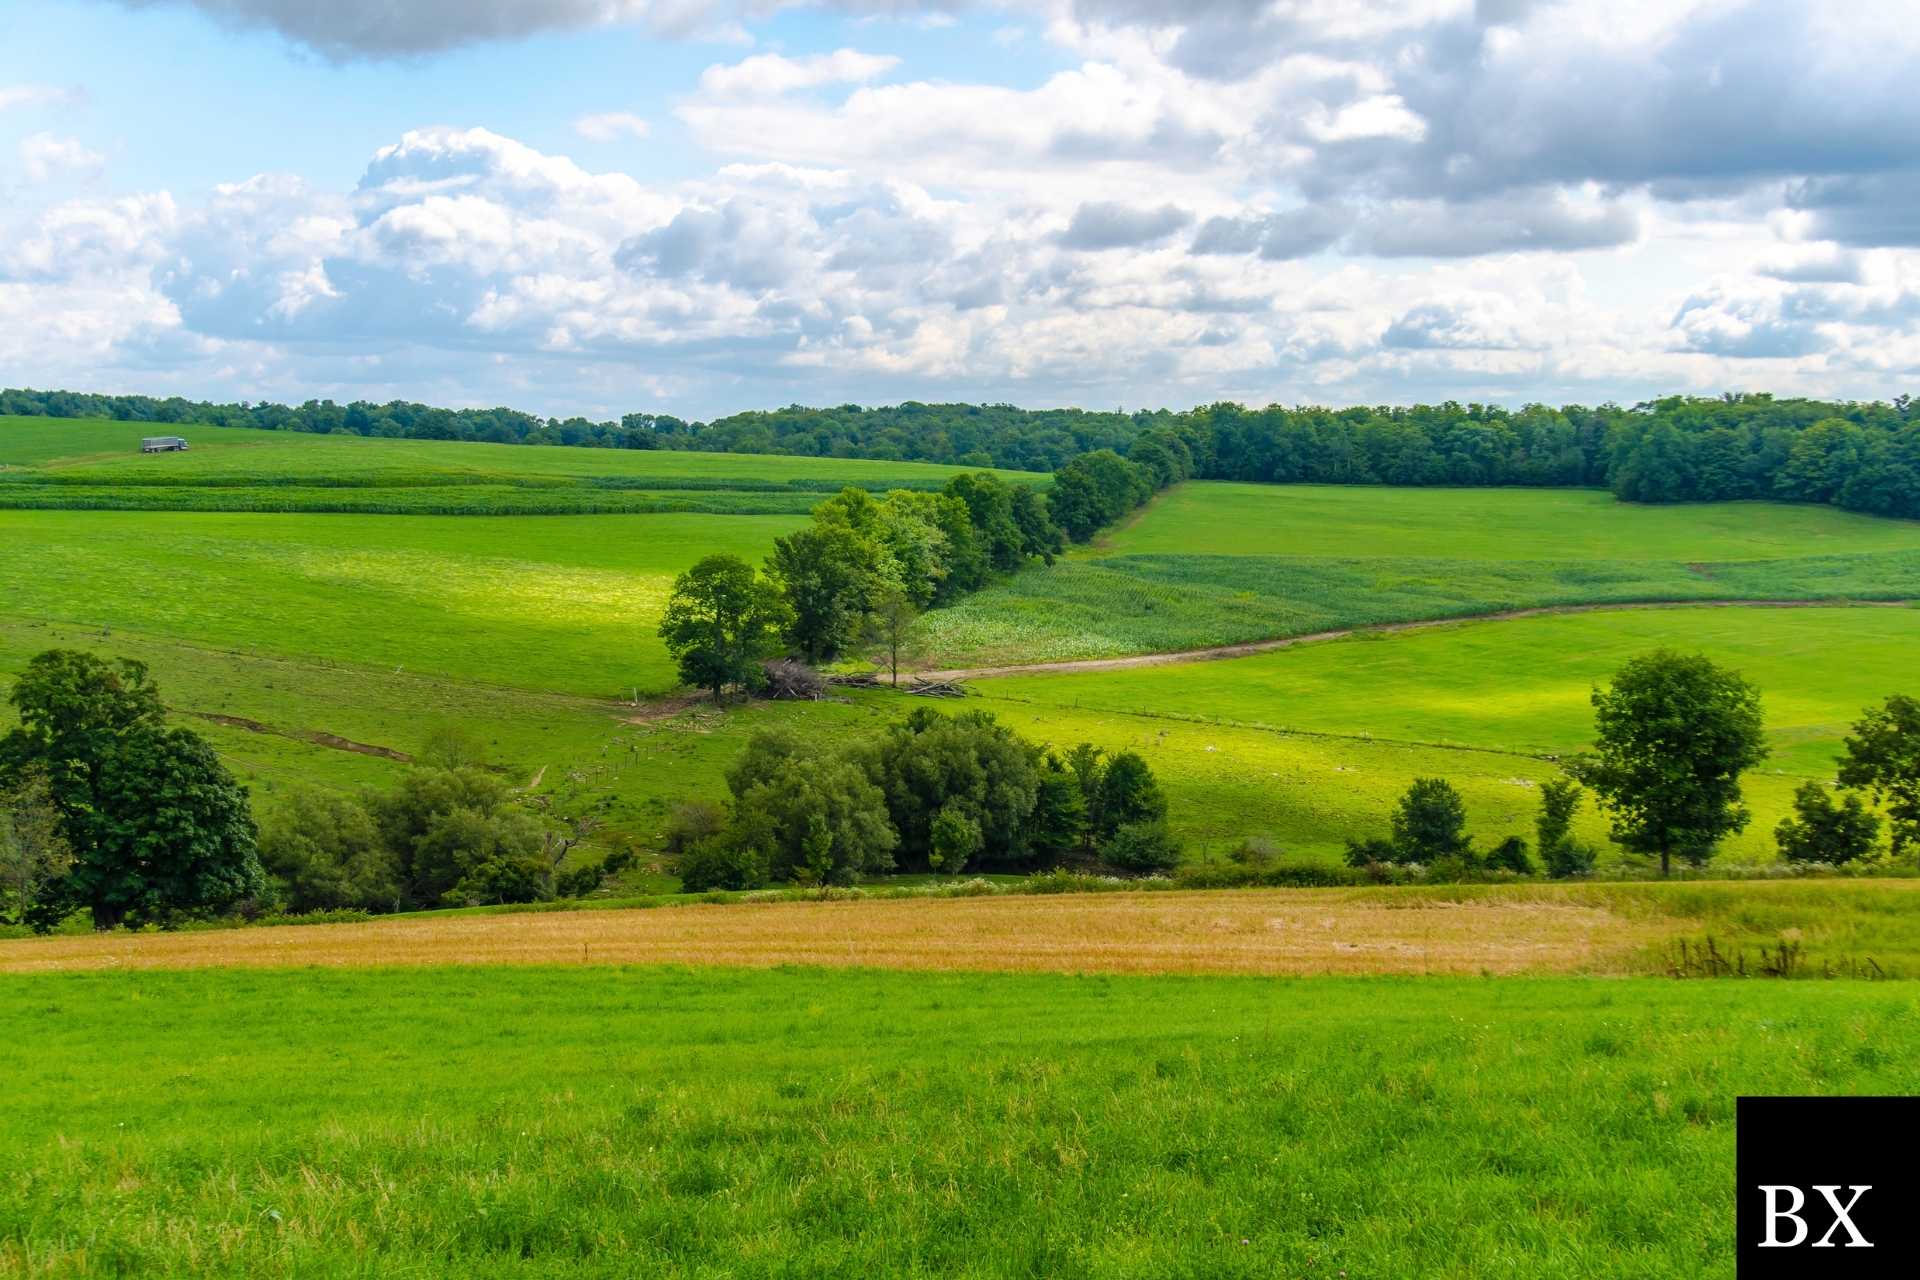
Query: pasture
{"x": 693, "y": 1123}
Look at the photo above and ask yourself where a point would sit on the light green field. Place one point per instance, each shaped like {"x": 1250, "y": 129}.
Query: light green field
{"x": 1310, "y": 743}
{"x": 1215, "y": 518}
{"x": 565, "y": 604}
{"x": 618, "y": 1122}
{"x": 95, "y": 465}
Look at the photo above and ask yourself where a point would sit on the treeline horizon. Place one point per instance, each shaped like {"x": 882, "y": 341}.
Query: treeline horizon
{"x": 1857, "y": 455}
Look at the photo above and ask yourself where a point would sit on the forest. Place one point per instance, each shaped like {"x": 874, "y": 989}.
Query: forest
{"x": 1859, "y": 456}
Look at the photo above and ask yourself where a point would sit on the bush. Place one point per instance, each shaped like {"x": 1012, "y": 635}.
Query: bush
{"x": 1821, "y": 831}
{"x": 326, "y": 854}
{"x": 1510, "y": 855}
{"x": 1255, "y": 852}
{"x": 1372, "y": 852}
{"x": 690, "y": 823}
{"x": 1430, "y": 822}
{"x": 500, "y": 880}
{"x": 713, "y": 864}
{"x": 1142, "y": 847}
{"x": 1570, "y": 858}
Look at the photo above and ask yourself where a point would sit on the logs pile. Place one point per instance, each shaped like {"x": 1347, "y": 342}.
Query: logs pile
{"x": 917, "y": 685}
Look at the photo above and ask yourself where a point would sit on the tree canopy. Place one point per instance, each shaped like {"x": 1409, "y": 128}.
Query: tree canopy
{"x": 1675, "y": 732}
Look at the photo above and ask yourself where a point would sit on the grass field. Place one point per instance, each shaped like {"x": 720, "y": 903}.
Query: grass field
{"x": 603, "y": 1122}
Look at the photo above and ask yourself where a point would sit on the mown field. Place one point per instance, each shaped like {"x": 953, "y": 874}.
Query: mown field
{"x": 621, "y": 1121}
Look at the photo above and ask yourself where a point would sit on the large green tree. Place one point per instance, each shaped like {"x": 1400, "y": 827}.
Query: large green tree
{"x": 721, "y": 622}
{"x": 829, "y": 573}
{"x": 157, "y": 828}
{"x": 1674, "y": 734}
{"x": 1883, "y": 758}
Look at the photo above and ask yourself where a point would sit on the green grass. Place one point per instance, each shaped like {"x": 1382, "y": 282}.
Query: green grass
{"x": 1209, "y": 518}
{"x": 96, "y": 465}
{"x": 567, "y": 604}
{"x": 1312, "y": 744}
{"x": 792, "y": 1123}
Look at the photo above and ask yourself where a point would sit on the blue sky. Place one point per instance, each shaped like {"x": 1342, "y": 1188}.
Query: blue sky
{"x": 700, "y": 206}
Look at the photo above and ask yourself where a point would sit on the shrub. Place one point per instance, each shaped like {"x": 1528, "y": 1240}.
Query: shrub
{"x": 501, "y": 880}
{"x": 1255, "y": 852}
{"x": 326, "y": 854}
{"x": 1559, "y": 800}
{"x": 1430, "y": 822}
{"x": 691, "y": 822}
{"x": 1569, "y": 858}
{"x": 1372, "y": 852}
{"x": 713, "y": 863}
{"x": 1821, "y": 831}
{"x": 1510, "y": 855}
{"x": 1142, "y": 847}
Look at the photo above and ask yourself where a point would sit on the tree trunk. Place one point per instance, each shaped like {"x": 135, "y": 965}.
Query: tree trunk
{"x": 1666, "y": 864}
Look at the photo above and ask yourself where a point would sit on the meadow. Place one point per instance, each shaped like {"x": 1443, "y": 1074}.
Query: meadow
{"x": 698, "y": 1123}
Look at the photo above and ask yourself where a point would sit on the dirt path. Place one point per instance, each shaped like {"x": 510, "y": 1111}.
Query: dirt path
{"x": 1072, "y": 666}
{"x": 318, "y": 737}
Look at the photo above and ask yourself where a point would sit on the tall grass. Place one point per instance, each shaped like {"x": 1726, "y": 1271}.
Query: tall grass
{"x": 618, "y": 1122}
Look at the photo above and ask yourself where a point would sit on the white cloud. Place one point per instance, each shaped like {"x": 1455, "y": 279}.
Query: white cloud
{"x": 45, "y": 158}
{"x": 770, "y": 74}
{"x": 610, "y": 126}
{"x": 35, "y": 95}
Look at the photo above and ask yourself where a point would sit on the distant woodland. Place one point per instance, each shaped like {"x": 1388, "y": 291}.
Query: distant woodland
{"x": 1860, "y": 456}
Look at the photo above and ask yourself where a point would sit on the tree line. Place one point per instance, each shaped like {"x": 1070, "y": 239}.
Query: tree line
{"x": 931, "y": 793}
{"x": 864, "y": 568}
{"x": 107, "y": 809}
{"x": 1857, "y": 455}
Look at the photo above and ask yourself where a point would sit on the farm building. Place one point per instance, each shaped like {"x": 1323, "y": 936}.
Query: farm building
{"x": 163, "y": 444}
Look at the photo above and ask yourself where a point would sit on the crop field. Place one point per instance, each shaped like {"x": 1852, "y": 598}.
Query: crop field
{"x": 696, "y": 1123}
{"x": 1216, "y": 518}
{"x": 1534, "y": 929}
{"x": 1219, "y": 564}
{"x": 96, "y": 465}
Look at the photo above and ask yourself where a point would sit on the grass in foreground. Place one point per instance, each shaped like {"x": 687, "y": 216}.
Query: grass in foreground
{"x": 617, "y": 1122}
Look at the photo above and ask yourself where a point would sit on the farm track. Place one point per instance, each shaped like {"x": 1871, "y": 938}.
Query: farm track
{"x": 318, "y": 737}
{"x": 1248, "y": 649}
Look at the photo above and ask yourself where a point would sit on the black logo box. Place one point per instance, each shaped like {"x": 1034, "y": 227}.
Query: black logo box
{"x": 1797, "y": 1146}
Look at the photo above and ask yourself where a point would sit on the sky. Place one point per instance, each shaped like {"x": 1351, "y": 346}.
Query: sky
{"x": 704, "y": 206}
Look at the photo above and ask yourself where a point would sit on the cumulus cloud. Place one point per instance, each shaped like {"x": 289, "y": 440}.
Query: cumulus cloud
{"x": 1106, "y": 225}
{"x": 610, "y": 126}
{"x": 44, "y": 158}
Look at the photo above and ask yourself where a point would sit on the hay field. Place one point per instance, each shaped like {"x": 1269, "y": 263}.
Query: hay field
{"x": 1602, "y": 929}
